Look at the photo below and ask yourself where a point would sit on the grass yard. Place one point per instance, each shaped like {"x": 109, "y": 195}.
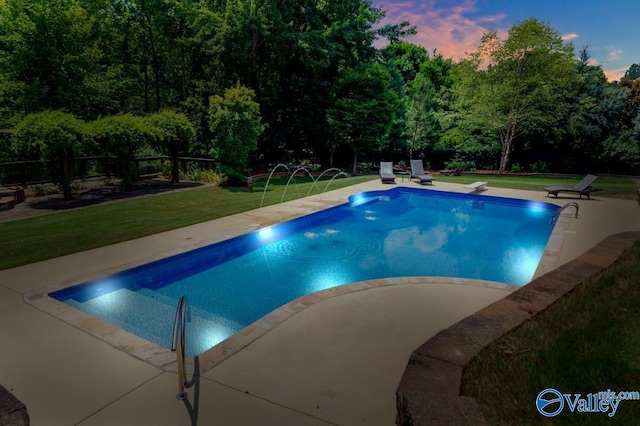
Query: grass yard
{"x": 608, "y": 185}
{"x": 588, "y": 341}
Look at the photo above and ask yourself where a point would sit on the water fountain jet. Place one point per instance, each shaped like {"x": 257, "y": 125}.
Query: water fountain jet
{"x": 333, "y": 177}
{"x": 269, "y": 179}
{"x": 322, "y": 174}
{"x": 291, "y": 177}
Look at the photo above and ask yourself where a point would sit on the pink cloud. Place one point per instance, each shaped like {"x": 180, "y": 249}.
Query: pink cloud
{"x": 616, "y": 74}
{"x": 569, "y": 37}
{"x": 611, "y": 74}
{"x": 445, "y": 28}
{"x": 615, "y": 55}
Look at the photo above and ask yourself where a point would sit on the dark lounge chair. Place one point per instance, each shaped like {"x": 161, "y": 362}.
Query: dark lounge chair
{"x": 583, "y": 187}
{"x": 386, "y": 172}
{"x": 417, "y": 171}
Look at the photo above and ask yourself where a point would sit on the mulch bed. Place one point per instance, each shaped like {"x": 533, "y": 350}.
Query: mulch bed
{"x": 94, "y": 193}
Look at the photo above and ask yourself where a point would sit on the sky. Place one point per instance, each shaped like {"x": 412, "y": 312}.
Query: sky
{"x": 608, "y": 28}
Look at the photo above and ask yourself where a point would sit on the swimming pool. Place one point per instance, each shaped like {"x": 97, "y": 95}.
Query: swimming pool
{"x": 378, "y": 234}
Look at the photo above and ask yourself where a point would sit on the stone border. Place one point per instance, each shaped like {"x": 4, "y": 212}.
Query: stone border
{"x": 165, "y": 359}
{"x": 429, "y": 391}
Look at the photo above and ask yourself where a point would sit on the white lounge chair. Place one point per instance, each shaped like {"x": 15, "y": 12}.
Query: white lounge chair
{"x": 583, "y": 187}
{"x": 417, "y": 171}
{"x": 386, "y": 172}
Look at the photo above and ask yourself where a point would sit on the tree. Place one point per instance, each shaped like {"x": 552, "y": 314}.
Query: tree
{"x": 623, "y": 144}
{"x": 122, "y": 136}
{"x": 235, "y": 124}
{"x": 439, "y": 71}
{"x": 177, "y": 136}
{"x": 95, "y": 58}
{"x": 421, "y": 121}
{"x": 155, "y": 49}
{"x": 633, "y": 72}
{"x": 395, "y": 32}
{"x": 406, "y": 57}
{"x": 290, "y": 53}
{"x": 632, "y": 103}
{"x": 403, "y": 60}
{"x": 580, "y": 131}
{"x": 512, "y": 86}
{"x": 364, "y": 108}
{"x": 50, "y": 49}
{"x": 57, "y": 139}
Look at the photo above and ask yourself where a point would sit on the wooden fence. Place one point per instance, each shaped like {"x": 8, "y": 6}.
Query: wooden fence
{"x": 33, "y": 172}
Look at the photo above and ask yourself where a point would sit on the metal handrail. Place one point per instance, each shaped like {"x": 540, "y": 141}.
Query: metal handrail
{"x": 178, "y": 345}
{"x": 556, "y": 214}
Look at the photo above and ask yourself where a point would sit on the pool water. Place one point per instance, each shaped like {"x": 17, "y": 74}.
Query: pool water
{"x": 378, "y": 234}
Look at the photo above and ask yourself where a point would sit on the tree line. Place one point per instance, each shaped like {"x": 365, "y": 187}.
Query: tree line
{"x": 313, "y": 84}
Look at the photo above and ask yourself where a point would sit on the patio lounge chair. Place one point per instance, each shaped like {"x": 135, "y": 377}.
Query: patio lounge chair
{"x": 583, "y": 187}
{"x": 417, "y": 171}
{"x": 386, "y": 172}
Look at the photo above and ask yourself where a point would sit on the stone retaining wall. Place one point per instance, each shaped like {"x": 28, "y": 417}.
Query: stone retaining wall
{"x": 429, "y": 391}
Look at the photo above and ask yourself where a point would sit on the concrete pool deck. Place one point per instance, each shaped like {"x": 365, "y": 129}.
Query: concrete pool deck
{"x": 330, "y": 358}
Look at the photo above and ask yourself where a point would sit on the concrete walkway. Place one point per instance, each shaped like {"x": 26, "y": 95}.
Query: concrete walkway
{"x": 329, "y": 358}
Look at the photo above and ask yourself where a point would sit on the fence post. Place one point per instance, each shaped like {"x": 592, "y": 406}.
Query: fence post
{"x": 23, "y": 173}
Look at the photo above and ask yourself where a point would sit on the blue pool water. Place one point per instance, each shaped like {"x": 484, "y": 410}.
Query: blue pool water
{"x": 378, "y": 234}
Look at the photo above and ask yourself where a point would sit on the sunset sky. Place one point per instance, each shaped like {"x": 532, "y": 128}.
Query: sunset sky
{"x": 609, "y": 28}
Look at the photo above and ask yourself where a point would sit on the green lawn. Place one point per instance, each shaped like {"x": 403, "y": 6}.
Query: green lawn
{"x": 608, "y": 185}
{"x": 44, "y": 237}
{"x": 588, "y": 341}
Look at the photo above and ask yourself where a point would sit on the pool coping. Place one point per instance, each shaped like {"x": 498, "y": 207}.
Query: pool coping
{"x": 165, "y": 359}
{"x": 429, "y": 390}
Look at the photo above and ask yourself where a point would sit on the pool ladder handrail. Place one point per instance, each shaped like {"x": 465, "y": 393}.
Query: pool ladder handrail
{"x": 178, "y": 345}
{"x": 556, "y": 214}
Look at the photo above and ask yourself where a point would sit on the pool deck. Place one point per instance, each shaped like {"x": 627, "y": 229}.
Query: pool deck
{"x": 331, "y": 358}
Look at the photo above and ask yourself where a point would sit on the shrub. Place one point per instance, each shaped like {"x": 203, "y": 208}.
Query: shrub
{"x": 363, "y": 167}
{"x": 236, "y": 124}
{"x": 209, "y": 176}
{"x": 55, "y": 138}
{"x": 540, "y": 167}
{"x": 517, "y": 168}
{"x": 43, "y": 190}
{"x": 458, "y": 164}
{"x": 124, "y": 135}
{"x": 177, "y": 136}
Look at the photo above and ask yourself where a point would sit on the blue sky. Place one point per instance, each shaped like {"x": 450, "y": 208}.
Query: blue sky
{"x": 454, "y": 27}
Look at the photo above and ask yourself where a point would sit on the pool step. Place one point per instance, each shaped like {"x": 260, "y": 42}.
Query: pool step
{"x": 194, "y": 310}
{"x": 152, "y": 318}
